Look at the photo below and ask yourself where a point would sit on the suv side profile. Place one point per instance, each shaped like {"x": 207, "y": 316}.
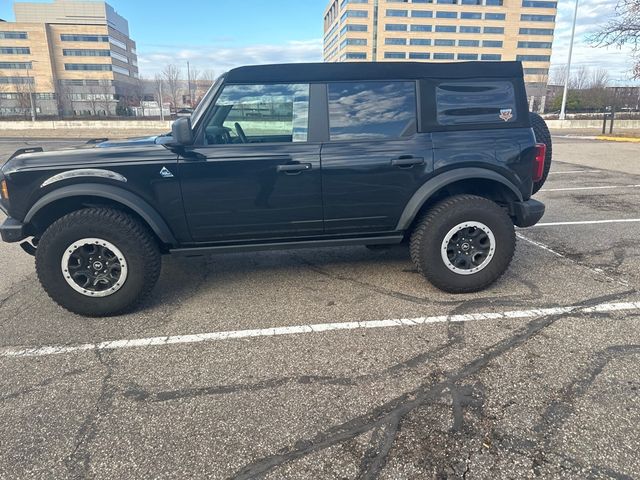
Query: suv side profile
{"x": 288, "y": 156}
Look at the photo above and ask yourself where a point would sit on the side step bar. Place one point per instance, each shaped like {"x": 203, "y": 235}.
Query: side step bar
{"x": 255, "y": 247}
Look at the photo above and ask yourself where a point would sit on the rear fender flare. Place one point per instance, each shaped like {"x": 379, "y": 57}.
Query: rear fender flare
{"x": 148, "y": 214}
{"x": 447, "y": 178}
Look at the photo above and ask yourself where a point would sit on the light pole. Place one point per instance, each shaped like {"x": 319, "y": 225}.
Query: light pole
{"x": 563, "y": 109}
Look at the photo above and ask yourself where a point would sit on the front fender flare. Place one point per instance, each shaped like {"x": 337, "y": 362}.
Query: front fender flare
{"x": 436, "y": 183}
{"x": 109, "y": 192}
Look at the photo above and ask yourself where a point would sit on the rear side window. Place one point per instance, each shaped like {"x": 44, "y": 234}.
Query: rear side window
{"x": 469, "y": 102}
{"x": 372, "y": 110}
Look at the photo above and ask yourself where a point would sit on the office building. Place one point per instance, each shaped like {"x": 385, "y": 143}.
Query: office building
{"x": 71, "y": 57}
{"x": 443, "y": 31}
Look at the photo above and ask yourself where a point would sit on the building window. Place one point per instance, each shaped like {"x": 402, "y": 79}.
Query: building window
{"x": 466, "y": 29}
{"x": 494, "y": 57}
{"x": 87, "y": 66}
{"x": 14, "y": 35}
{"x": 117, "y": 43}
{"x": 15, "y": 50}
{"x": 395, "y": 27}
{"x": 419, "y": 56}
{"x": 536, "y": 31}
{"x": 534, "y": 44}
{"x": 420, "y": 41}
{"x": 467, "y": 56}
{"x": 492, "y": 30}
{"x": 536, "y": 71}
{"x": 533, "y": 58}
{"x": 395, "y": 41}
{"x": 492, "y": 43}
{"x": 471, "y": 2}
{"x": 421, "y": 14}
{"x": 120, "y": 70}
{"x": 16, "y": 80}
{"x": 119, "y": 56}
{"x": 421, "y": 28}
{"x": 471, "y": 15}
{"x": 468, "y": 43}
{"x": 439, "y": 42}
{"x": 83, "y": 38}
{"x": 494, "y": 16}
{"x": 538, "y": 4}
{"x": 69, "y": 52}
{"x": 526, "y": 17}
{"x": 356, "y": 56}
{"x": 354, "y": 14}
{"x": 395, "y": 55}
{"x": 448, "y": 28}
{"x": 397, "y": 13}
{"x": 443, "y": 56}
{"x": 16, "y": 65}
{"x": 494, "y": 3}
{"x": 446, "y": 14}
{"x": 372, "y": 110}
{"x": 353, "y": 28}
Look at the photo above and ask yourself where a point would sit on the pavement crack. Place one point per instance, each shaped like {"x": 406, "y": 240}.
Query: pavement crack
{"x": 44, "y": 383}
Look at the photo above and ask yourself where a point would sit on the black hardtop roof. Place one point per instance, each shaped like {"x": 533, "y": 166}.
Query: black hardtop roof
{"x": 345, "y": 71}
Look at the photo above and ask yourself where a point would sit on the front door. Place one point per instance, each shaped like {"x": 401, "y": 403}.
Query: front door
{"x": 253, "y": 174}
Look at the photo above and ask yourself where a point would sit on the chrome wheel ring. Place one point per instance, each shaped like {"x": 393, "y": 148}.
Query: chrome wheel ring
{"x": 94, "y": 267}
{"x": 468, "y": 248}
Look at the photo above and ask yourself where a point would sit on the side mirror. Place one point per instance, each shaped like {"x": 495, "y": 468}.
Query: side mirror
{"x": 181, "y": 131}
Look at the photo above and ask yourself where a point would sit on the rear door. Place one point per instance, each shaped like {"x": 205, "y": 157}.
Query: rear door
{"x": 375, "y": 158}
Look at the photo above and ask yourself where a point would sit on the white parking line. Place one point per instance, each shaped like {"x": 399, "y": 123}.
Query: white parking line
{"x": 587, "y": 222}
{"x": 566, "y": 172}
{"x": 22, "y": 352}
{"x": 606, "y": 187}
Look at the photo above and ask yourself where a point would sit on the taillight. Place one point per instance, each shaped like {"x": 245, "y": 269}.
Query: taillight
{"x": 538, "y": 170}
{"x": 4, "y": 190}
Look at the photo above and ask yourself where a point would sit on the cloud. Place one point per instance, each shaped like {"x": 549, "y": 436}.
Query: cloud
{"x": 592, "y": 15}
{"x": 222, "y": 58}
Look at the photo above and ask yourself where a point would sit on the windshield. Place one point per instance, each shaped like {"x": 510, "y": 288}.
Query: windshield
{"x": 206, "y": 100}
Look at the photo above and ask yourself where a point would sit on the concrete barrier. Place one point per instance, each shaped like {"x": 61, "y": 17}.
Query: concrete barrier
{"x": 108, "y": 125}
{"x": 593, "y": 123}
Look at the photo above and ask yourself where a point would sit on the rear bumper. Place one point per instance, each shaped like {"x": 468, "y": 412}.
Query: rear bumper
{"x": 12, "y": 231}
{"x": 527, "y": 214}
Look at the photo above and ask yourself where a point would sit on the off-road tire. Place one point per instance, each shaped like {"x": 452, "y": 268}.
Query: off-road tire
{"x": 432, "y": 228}
{"x": 543, "y": 135}
{"x": 122, "y": 230}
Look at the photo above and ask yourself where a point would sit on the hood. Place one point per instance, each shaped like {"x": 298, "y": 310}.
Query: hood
{"x": 86, "y": 155}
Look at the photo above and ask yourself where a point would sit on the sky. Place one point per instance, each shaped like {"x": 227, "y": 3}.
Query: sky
{"x": 220, "y": 34}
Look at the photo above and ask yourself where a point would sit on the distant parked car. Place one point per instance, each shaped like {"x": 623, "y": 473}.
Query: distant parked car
{"x": 184, "y": 112}
{"x": 441, "y": 155}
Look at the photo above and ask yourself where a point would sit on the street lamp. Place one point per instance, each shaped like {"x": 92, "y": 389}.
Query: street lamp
{"x": 568, "y": 73}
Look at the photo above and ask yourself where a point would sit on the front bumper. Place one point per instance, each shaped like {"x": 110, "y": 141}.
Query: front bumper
{"x": 527, "y": 214}
{"x": 12, "y": 231}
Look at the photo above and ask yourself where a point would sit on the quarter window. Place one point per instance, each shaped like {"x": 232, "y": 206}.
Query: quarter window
{"x": 276, "y": 113}
{"x": 372, "y": 110}
{"x": 475, "y": 102}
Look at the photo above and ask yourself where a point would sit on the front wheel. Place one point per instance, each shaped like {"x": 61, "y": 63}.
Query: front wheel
{"x": 98, "y": 262}
{"x": 463, "y": 243}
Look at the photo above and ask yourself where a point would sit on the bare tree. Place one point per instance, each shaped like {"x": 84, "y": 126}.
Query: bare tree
{"x": 105, "y": 98}
{"x": 159, "y": 91}
{"x": 623, "y": 29}
{"x": 26, "y": 98}
{"x": 137, "y": 93}
{"x": 598, "y": 78}
{"x": 171, "y": 76}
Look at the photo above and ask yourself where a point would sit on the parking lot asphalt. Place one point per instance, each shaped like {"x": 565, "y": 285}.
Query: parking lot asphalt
{"x": 344, "y": 363}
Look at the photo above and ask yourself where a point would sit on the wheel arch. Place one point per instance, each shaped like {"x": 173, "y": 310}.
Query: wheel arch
{"x": 70, "y": 198}
{"x": 477, "y": 181}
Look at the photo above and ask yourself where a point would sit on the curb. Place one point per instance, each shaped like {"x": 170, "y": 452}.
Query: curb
{"x": 618, "y": 139}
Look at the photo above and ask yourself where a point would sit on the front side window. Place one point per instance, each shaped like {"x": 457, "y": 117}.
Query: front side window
{"x": 372, "y": 110}
{"x": 467, "y": 102}
{"x": 277, "y": 113}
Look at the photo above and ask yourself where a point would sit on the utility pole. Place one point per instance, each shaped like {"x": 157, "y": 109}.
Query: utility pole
{"x": 563, "y": 110}
{"x": 189, "y": 85}
{"x": 33, "y": 107}
{"x": 160, "y": 101}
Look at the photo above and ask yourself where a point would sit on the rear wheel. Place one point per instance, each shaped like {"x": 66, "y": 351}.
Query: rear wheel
{"x": 543, "y": 135}
{"x": 98, "y": 262}
{"x": 463, "y": 244}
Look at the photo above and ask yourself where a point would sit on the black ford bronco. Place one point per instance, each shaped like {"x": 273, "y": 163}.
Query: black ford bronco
{"x": 443, "y": 156}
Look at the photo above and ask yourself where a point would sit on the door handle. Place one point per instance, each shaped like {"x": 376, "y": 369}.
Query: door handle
{"x": 407, "y": 161}
{"x": 294, "y": 168}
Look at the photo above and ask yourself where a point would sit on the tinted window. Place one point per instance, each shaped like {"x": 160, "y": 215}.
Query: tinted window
{"x": 475, "y": 102}
{"x": 372, "y": 110}
{"x": 264, "y": 113}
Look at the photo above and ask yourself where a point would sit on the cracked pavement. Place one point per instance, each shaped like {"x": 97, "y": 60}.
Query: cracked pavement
{"x": 553, "y": 396}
